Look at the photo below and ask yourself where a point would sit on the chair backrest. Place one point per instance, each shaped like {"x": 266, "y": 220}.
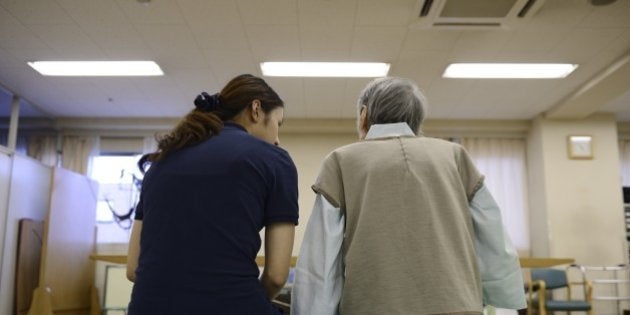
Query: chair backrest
{"x": 553, "y": 278}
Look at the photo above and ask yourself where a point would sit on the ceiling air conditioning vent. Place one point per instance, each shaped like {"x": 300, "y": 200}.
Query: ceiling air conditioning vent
{"x": 469, "y": 14}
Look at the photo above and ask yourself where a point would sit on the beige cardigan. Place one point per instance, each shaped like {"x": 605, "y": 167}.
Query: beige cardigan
{"x": 408, "y": 246}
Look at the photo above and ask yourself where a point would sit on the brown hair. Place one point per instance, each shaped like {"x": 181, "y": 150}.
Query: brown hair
{"x": 207, "y": 118}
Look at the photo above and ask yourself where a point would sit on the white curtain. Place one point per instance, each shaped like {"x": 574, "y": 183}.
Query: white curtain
{"x": 44, "y": 149}
{"x": 77, "y": 152}
{"x": 624, "y": 157}
{"x": 503, "y": 162}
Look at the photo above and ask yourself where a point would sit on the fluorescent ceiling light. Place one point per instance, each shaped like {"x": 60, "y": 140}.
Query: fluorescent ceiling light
{"x": 508, "y": 70}
{"x": 97, "y": 68}
{"x": 324, "y": 69}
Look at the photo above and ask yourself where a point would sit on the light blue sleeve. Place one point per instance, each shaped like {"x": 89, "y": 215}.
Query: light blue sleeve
{"x": 319, "y": 270}
{"x": 502, "y": 279}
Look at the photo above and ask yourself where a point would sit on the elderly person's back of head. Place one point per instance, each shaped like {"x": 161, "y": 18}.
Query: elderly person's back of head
{"x": 391, "y": 100}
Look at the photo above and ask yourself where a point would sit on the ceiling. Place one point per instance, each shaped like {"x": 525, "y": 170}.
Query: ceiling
{"x": 201, "y": 44}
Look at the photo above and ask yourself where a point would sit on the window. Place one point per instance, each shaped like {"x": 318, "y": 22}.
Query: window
{"x": 119, "y": 190}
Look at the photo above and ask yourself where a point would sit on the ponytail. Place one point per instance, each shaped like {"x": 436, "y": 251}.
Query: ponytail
{"x": 206, "y": 120}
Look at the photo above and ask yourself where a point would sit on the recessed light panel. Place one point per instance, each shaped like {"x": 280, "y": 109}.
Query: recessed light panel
{"x": 97, "y": 68}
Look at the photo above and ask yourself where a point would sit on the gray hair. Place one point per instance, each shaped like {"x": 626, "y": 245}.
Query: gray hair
{"x": 393, "y": 100}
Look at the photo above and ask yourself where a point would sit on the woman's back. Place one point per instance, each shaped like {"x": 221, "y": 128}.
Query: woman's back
{"x": 202, "y": 210}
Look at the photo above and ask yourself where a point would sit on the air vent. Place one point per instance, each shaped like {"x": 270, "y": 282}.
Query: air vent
{"x": 469, "y": 14}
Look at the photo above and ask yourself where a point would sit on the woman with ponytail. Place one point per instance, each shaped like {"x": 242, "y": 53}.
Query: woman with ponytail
{"x": 215, "y": 181}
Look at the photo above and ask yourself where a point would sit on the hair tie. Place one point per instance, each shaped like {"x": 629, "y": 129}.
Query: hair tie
{"x": 206, "y": 102}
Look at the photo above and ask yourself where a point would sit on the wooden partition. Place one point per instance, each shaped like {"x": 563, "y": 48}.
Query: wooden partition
{"x": 28, "y": 261}
{"x": 67, "y": 274}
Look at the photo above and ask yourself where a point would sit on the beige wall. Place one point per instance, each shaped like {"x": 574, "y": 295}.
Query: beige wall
{"x": 576, "y": 206}
{"x": 308, "y": 151}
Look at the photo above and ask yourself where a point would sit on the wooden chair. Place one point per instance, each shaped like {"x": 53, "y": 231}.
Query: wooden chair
{"x": 544, "y": 280}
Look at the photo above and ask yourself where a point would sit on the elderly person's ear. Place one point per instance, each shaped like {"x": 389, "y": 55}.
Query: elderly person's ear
{"x": 362, "y": 122}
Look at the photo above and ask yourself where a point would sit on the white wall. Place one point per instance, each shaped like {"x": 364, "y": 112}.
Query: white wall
{"x": 5, "y": 180}
{"x": 29, "y": 197}
{"x": 581, "y": 198}
{"x": 539, "y": 225}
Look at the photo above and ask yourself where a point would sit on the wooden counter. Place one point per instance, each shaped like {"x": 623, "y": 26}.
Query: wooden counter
{"x": 542, "y": 262}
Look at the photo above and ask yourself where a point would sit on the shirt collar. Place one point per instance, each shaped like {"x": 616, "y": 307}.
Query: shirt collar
{"x": 389, "y": 130}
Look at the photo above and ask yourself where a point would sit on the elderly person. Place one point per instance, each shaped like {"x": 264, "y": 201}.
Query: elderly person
{"x": 402, "y": 223}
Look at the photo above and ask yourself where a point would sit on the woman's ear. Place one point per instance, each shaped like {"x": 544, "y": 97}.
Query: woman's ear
{"x": 255, "y": 109}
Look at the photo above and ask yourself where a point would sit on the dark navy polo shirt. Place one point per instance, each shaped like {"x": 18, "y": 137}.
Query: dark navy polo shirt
{"x": 202, "y": 210}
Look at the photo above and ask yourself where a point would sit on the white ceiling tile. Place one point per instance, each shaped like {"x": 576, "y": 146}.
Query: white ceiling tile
{"x": 212, "y": 36}
{"x": 163, "y": 98}
{"x": 124, "y": 53}
{"x": 323, "y": 42}
{"x": 104, "y": 22}
{"x": 37, "y": 11}
{"x": 103, "y": 13}
{"x": 170, "y": 60}
{"x": 156, "y": 12}
{"x": 614, "y": 15}
{"x": 15, "y": 35}
{"x": 527, "y": 41}
{"x": 377, "y": 43}
{"x": 420, "y": 66}
{"x": 325, "y": 55}
{"x": 173, "y": 46}
{"x": 217, "y": 38}
{"x": 215, "y": 12}
{"x": 431, "y": 39}
{"x": 226, "y": 64}
{"x": 477, "y": 45}
{"x": 215, "y": 24}
{"x": 573, "y": 49}
{"x": 559, "y": 14}
{"x": 24, "y": 55}
{"x": 391, "y": 12}
{"x": 268, "y": 12}
{"x": 527, "y": 56}
{"x": 516, "y": 99}
{"x": 7, "y": 59}
{"x": 194, "y": 81}
{"x": 172, "y": 37}
{"x": 621, "y": 44}
{"x": 274, "y": 42}
{"x": 327, "y": 12}
{"x": 445, "y": 95}
{"x": 6, "y": 18}
{"x": 68, "y": 40}
{"x": 118, "y": 89}
{"x": 114, "y": 36}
